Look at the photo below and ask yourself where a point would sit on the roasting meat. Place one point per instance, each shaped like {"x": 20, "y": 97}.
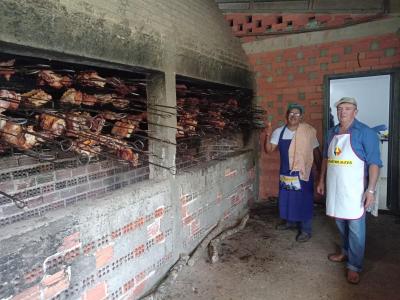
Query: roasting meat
{"x": 112, "y": 116}
{"x": 53, "y": 124}
{"x": 15, "y": 135}
{"x": 120, "y": 87}
{"x": 9, "y": 100}
{"x": 7, "y": 69}
{"x": 139, "y": 117}
{"x": 180, "y": 132}
{"x": 77, "y": 122}
{"x": 72, "y": 96}
{"x": 88, "y": 100}
{"x": 91, "y": 78}
{"x": 124, "y": 128}
{"x": 36, "y": 98}
{"x": 128, "y": 155}
{"x": 86, "y": 147}
{"x": 103, "y": 99}
{"x": 97, "y": 124}
{"x": 120, "y": 103}
{"x": 48, "y": 77}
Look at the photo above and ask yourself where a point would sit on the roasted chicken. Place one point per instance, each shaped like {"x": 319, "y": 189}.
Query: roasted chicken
{"x": 91, "y": 78}
{"x": 9, "y": 100}
{"x": 76, "y": 122}
{"x": 16, "y": 135}
{"x": 120, "y": 87}
{"x": 7, "y": 68}
{"x": 36, "y": 98}
{"x": 52, "y": 123}
{"x": 48, "y": 77}
{"x": 86, "y": 147}
{"x": 124, "y": 128}
{"x": 103, "y": 99}
{"x": 71, "y": 96}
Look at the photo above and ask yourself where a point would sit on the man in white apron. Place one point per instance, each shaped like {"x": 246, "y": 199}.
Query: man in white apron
{"x": 351, "y": 164}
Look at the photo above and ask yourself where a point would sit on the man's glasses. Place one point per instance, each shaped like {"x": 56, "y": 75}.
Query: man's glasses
{"x": 293, "y": 114}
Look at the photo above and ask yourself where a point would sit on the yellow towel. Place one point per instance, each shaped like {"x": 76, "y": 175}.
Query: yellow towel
{"x": 301, "y": 149}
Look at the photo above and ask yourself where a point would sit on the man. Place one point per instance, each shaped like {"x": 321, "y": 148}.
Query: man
{"x": 351, "y": 164}
{"x": 298, "y": 146}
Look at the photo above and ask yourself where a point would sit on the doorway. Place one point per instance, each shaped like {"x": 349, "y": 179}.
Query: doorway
{"x": 378, "y": 107}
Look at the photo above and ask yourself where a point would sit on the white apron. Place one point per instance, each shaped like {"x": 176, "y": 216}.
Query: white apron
{"x": 345, "y": 180}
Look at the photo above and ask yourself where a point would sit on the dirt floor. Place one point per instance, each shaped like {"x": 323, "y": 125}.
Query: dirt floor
{"x": 263, "y": 263}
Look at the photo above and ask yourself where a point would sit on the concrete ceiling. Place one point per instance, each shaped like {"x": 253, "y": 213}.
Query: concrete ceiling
{"x": 323, "y": 6}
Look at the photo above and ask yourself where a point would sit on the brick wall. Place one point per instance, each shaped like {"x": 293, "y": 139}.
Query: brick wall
{"x": 296, "y": 75}
{"x": 55, "y": 185}
{"x": 121, "y": 246}
{"x": 252, "y": 27}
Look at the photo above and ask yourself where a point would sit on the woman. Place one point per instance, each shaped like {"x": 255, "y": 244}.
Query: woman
{"x": 299, "y": 149}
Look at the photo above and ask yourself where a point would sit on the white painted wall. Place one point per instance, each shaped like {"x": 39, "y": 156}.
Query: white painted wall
{"x": 372, "y": 94}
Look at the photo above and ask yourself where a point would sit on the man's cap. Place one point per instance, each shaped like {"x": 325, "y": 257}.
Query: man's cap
{"x": 296, "y": 106}
{"x": 346, "y": 100}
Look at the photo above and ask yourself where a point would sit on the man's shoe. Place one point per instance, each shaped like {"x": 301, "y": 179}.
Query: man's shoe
{"x": 303, "y": 237}
{"x": 284, "y": 227}
{"x": 353, "y": 277}
{"x": 337, "y": 257}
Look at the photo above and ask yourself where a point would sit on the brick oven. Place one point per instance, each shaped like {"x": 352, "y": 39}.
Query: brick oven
{"x": 122, "y": 143}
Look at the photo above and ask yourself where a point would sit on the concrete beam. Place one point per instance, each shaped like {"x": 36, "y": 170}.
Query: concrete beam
{"x": 380, "y": 27}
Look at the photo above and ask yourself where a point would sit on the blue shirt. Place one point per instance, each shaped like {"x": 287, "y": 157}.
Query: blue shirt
{"x": 364, "y": 140}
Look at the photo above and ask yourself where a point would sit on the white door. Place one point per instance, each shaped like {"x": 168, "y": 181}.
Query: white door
{"x": 373, "y": 96}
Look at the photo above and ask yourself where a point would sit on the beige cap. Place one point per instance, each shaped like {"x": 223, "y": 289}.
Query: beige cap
{"x": 346, "y": 100}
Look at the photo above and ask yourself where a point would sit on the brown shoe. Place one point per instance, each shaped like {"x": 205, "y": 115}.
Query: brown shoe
{"x": 353, "y": 277}
{"x": 337, "y": 257}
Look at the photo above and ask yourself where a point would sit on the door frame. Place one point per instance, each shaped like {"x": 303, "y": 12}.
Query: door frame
{"x": 393, "y": 176}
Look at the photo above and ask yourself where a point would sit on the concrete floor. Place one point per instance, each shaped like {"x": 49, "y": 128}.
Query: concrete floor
{"x": 262, "y": 263}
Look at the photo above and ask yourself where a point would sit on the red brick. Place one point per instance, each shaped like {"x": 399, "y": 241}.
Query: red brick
{"x": 323, "y": 18}
{"x": 389, "y": 41}
{"x": 187, "y": 220}
{"x": 316, "y": 116}
{"x": 390, "y": 60}
{"x": 370, "y": 62}
{"x": 301, "y": 83}
{"x": 99, "y": 292}
{"x": 312, "y": 96}
{"x": 279, "y": 27}
{"x": 375, "y": 54}
{"x": 268, "y": 19}
{"x": 362, "y": 69}
{"x": 104, "y": 256}
{"x": 350, "y": 65}
{"x": 55, "y": 284}
{"x": 336, "y": 50}
{"x": 33, "y": 293}
{"x": 335, "y": 66}
{"x": 311, "y": 68}
{"x": 71, "y": 241}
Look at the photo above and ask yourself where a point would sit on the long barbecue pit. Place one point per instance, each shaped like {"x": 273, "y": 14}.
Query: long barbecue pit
{"x": 214, "y": 122}
{"x": 53, "y": 111}
{"x": 50, "y": 110}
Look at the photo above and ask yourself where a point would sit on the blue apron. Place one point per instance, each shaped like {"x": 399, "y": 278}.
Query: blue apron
{"x": 294, "y": 205}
